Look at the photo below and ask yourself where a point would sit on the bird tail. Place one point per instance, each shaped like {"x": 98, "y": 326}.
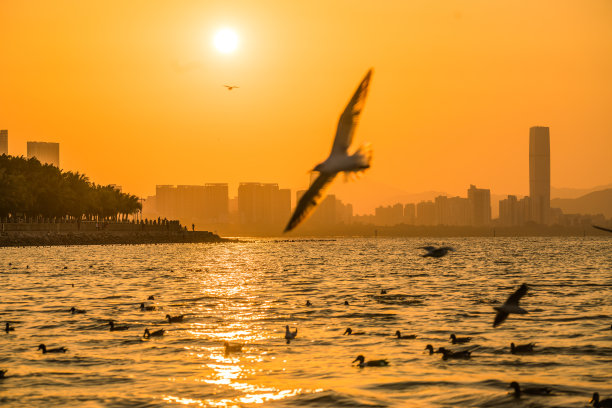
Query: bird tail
{"x": 363, "y": 156}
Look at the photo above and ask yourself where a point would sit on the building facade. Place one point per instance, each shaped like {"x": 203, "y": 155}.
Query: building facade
{"x": 3, "y": 141}
{"x": 539, "y": 173}
{"x": 45, "y": 152}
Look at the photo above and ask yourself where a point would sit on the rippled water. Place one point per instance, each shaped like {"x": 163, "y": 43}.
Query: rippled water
{"x": 247, "y": 292}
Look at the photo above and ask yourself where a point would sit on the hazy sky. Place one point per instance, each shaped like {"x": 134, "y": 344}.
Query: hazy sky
{"x": 133, "y": 90}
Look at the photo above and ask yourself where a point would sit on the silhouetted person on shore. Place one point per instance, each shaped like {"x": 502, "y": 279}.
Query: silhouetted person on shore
{"x": 192, "y": 227}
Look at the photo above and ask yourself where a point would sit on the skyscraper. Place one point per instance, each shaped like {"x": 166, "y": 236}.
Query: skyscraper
{"x": 45, "y": 152}
{"x": 539, "y": 173}
{"x": 480, "y": 205}
{"x": 3, "y": 141}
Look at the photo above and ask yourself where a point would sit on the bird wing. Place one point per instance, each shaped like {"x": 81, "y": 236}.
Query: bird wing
{"x": 350, "y": 117}
{"x": 499, "y": 318}
{"x": 517, "y": 295}
{"x": 428, "y": 248}
{"x": 310, "y": 200}
{"x": 601, "y": 228}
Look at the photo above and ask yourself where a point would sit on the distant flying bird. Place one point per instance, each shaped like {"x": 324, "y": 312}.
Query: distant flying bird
{"x": 510, "y": 306}
{"x": 601, "y": 228}
{"x": 435, "y": 252}
{"x": 230, "y": 87}
{"x": 339, "y": 159}
{"x": 290, "y": 335}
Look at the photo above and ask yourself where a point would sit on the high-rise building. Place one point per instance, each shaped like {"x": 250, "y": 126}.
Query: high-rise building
{"x": 539, "y": 173}
{"x": 425, "y": 213}
{"x": 409, "y": 213}
{"x": 480, "y": 205}
{"x": 509, "y": 211}
{"x": 263, "y": 205}
{"x": 45, "y": 152}
{"x": 216, "y": 203}
{"x": 3, "y": 141}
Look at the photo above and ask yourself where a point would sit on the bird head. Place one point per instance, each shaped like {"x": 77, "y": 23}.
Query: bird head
{"x": 359, "y": 358}
{"x": 41, "y": 347}
{"x": 397, "y": 333}
{"x": 168, "y": 317}
{"x": 452, "y": 336}
{"x": 595, "y": 398}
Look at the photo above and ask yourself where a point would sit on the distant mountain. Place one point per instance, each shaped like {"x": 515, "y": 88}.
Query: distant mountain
{"x": 575, "y": 192}
{"x": 597, "y": 202}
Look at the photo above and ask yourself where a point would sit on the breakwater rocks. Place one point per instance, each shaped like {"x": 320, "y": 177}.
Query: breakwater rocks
{"x": 45, "y": 238}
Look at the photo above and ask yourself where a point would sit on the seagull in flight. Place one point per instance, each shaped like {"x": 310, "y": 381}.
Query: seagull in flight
{"x": 339, "y": 158}
{"x": 601, "y": 228}
{"x": 230, "y": 87}
{"x": 435, "y": 252}
{"x": 510, "y": 306}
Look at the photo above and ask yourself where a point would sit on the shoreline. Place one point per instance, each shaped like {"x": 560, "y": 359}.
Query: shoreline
{"x": 72, "y": 238}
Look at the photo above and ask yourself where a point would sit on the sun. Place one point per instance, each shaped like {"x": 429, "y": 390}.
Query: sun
{"x": 226, "y": 40}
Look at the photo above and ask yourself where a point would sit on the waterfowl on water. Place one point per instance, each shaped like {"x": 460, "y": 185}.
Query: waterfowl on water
{"x": 430, "y": 348}
{"x": 398, "y": 334}
{"x": 152, "y": 297}
{"x": 521, "y": 348}
{"x": 2, "y": 372}
{"x": 346, "y": 303}
{"x": 158, "y": 333}
{"x": 143, "y": 307}
{"x": 459, "y": 340}
{"x": 174, "y": 319}
{"x": 510, "y": 306}
{"x": 371, "y": 363}
{"x": 530, "y": 391}
{"x": 308, "y": 303}
{"x": 232, "y": 348}
{"x": 74, "y": 310}
{"x": 349, "y": 332}
{"x": 383, "y": 291}
{"x": 290, "y": 335}
{"x": 45, "y": 350}
{"x": 111, "y": 323}
{"x": 8, "y": 328}
{"x": 446, "y": 354}
{"x": 606, "y": 403}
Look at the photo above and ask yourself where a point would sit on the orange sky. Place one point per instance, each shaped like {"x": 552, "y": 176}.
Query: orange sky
{"x": 134, "y": 91}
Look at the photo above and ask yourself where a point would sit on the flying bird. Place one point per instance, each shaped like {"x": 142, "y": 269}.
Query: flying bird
{"x": 339, "y": 159}
{"x": 435, "y": 252}
{"x": 230, "y": 87}
{"x": 601, "y": 228}
{"x": 510, "y": 306}
{"x": 290, "y": 335}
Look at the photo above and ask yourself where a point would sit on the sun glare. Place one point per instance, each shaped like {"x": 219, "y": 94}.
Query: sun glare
{"x": 226, "y": 40}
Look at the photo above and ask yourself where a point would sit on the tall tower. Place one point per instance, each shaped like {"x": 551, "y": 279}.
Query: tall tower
{"x": 45, "y": 152}
{"x": 539, "y": 173}
{"x": 3, "y": 141}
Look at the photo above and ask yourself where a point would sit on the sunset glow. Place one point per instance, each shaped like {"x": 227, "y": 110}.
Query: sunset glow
{"x": 226, "y": 40}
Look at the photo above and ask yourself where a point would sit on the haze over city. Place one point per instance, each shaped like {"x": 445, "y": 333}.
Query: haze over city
{"x": 134, "y": 92}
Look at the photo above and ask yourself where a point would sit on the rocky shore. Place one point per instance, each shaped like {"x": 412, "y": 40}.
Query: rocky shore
{"x": 46, "y": 238}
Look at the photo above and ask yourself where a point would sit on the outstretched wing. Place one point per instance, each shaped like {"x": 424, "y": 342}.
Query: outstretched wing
{"x": 499, "y": 318}
{"x": 310, "y": 200}
{"x": 350, "y": 117}
{"x": 601, "y": 228}
{"x": 517, "y": 295}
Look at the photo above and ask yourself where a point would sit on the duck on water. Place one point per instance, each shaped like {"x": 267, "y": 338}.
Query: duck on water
{"x": 371, "y": 363}
{"x": 45, "y": 350}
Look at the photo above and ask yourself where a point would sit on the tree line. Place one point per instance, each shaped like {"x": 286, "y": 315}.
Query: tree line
{"x": 31, "y": 189}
